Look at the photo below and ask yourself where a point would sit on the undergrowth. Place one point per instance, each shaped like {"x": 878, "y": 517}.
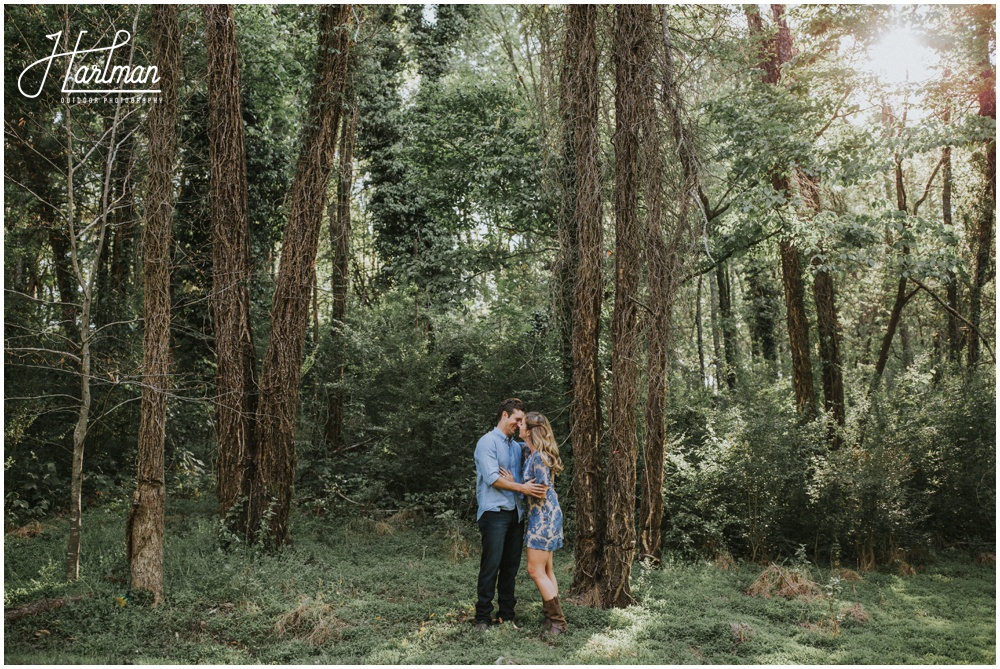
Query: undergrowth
{"x": 401, "y": 590}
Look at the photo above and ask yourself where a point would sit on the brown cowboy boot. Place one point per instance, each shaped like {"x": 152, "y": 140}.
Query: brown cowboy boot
{"x": 547, "y": 612}
{"x": 557, "y": 620}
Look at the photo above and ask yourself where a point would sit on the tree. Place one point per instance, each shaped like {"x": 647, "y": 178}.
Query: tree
{"x": 274, "y": 475}
{"x": 775, "y": 52}
{"x": 586, "y": 421}
{"x": 631, "y": 53}
{"x": 663, "y": 262}
{"x": 236, "y": 388}
{"x": 144, "y": 529}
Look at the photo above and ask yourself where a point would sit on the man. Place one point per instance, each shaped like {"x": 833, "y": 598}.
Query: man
{"x": 501, "y": 512}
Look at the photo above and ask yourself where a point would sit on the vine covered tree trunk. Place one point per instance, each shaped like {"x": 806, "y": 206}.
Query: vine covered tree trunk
{"x": 581, "y": 28}
{"x": 144, "y": 529}
{"x": 663, "y": 263}
{"x": 763, "y": 297}
{"x": 567, "y": 260}
{"x": 340, "y": 242}
{"x": 271, "y": 488}
{"x": 954, "y": 328}
{"x": 236, "y": 390}
{"x": 631, "y": 53}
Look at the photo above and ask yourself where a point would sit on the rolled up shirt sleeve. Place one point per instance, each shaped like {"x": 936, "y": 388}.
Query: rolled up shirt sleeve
{"x": 486, "y": 460}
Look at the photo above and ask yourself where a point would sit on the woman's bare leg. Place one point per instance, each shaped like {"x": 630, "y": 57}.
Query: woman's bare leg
{"x": 551, "y": 573}
{"x": 537, "y": 570}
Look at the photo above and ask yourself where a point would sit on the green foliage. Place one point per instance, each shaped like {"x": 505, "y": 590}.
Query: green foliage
{"x": 353, "y": 592}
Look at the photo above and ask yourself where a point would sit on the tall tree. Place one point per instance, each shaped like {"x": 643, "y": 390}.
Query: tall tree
{"x": 340, "y": 238}
{"x": 986, "y": 208}
{"x": 586, "y": 419}
{"x": 144, "y": 530}
{"x": 827, "y": 323}
{"x": 274, "y": 476}
{"x": 631, "y": 54}
{"x": 663, "y": 261}
{"x": 236, "y": 389}
{"x": 81, "y": 235}
{"x": 775, "y": 52}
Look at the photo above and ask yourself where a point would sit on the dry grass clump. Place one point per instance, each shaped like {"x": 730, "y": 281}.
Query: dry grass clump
{"x": 724, "y": 561}
{"x": 988, "y": 559}
{"x": 403, "y": 516}
{"x": 858, "y": 613}
{"x": 312, "y": 620}
{"x": 457, "y": 547}
{"x": 781, "y": 582}
{"x": 384, "y": 529}
{"x": 32, "y": 529}
{"x": 847, "y": 574}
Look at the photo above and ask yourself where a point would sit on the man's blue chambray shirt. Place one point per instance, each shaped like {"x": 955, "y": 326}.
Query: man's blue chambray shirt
{"x": 493, "y": 451}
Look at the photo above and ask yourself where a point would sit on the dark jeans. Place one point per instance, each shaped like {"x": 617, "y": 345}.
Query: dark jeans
{"x": 503, "y": 537}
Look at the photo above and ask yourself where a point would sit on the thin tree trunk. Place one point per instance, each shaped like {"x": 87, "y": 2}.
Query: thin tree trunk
{"x": 236, "y": 390}
{"x": 631, "y": 51}
{"x": 87, "y": 282}
{"x": 713, "y": 321}
{"x": 729, "y": 345}
{"x": 271, "y": 489}
{"x": 701, "y": 338}
{"x": 763, "y": 297}
{"x": 586, "y": 420}
{"x": 986, "y": 213}
{"x": 955, "y": 341}
{"x": 340, "y": 237}
{"x": 144, "y": 529}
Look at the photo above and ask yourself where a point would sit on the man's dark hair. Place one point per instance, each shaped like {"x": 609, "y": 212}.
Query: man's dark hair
{"x": 510, "y": 405}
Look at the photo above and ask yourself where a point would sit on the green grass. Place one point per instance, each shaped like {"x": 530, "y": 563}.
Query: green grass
{"x": 351, "y": 592}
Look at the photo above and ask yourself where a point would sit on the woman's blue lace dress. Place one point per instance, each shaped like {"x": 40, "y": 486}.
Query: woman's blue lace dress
{"x": 544, "y": 527}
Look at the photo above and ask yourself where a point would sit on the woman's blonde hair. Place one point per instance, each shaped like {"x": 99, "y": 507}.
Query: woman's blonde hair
{"x": 543, "y": 440}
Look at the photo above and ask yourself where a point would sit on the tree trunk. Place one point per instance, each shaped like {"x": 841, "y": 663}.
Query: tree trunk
{"x": 777, "y": 52}
{"x": 827, "y": 326}
{"x": 144, "y": 529}
{"x": 86, "y": 281}
{"x": 271, "y": 489}
{"x": 631, "y": 53}
{"x": 713, "y": 321}
{"x": 701, "y": 338}
{"x": 585, "y": 430}
{"x": 728, "y": 328}
{"x": 954, "y": 328}
{"x": 763, "y": 298}
{"x": 663, "y": 262}
{"x": 236, "y": 393}
{"x": 567, "y": 260}
{"x": 340, "y": 241}
{"x": 986, "y": 214}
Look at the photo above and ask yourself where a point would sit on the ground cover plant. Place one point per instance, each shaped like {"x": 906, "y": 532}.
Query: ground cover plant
{"x": 400, "y": 589}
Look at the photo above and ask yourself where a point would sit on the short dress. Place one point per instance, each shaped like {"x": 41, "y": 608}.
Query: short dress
{"x": 544, "y": 527}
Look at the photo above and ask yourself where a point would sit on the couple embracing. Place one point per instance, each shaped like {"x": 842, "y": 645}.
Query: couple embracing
{"x": 516, "y": 464}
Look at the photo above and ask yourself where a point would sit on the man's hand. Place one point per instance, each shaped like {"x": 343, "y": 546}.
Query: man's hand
{"x": 532, "y": 489}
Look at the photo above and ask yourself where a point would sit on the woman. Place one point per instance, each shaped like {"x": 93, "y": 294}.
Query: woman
{"x": 543, "y": 528}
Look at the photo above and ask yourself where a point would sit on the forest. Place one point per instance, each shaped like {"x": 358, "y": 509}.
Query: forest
{"x": 270, "y": 269}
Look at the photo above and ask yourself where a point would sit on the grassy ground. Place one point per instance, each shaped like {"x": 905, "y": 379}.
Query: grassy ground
{"x": 401, "y": 591}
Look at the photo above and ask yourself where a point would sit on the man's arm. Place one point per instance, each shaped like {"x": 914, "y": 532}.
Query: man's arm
{"x": 527, "y": 488}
